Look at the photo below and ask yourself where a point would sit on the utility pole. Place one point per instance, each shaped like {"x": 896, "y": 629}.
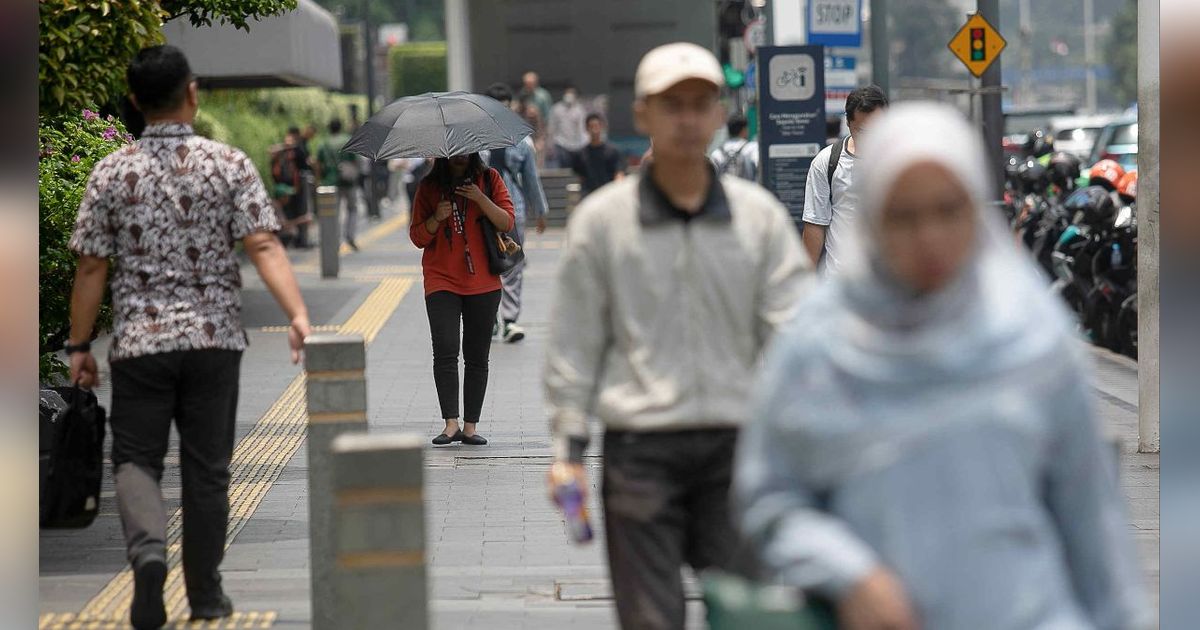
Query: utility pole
{"x": 369, "y": 43}
{"x": 1026, "y": 52}
{"x": 880, "y": 49}
{"x": 993, "y": 115}
{"x": 1148, "y": 75}
{"x": 1089, "y": 52}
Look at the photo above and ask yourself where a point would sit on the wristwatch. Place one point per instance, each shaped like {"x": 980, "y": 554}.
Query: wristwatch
{"x": 82, "y": 347}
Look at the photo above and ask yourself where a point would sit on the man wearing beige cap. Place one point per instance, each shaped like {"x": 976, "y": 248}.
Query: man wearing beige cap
{"x": 672, "y": 282}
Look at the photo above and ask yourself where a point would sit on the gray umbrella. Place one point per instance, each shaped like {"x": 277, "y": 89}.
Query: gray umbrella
{"x": 438, "y": 124}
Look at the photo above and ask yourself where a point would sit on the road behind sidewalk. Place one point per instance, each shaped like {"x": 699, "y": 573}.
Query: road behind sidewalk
{"x": 497, "y": 552}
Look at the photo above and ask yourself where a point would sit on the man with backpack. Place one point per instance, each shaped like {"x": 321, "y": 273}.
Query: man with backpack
{"x": 518, "y": 168}
{"x": 341, "y": 169}
{"x": 739, "y": 154}
{"x": 830, "y": 201}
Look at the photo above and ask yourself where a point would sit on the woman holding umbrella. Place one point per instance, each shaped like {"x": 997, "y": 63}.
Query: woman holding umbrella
{"x": 447, "y": 222}
{"x": 450, "y": 203}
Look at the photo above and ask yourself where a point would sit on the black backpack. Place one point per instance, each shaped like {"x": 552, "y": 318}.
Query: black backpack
{"x": 835, "y": 155}
{"x": 73, "y": 459}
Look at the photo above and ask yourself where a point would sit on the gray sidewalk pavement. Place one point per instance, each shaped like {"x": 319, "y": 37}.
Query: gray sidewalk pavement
{"x": 497, "y": 551}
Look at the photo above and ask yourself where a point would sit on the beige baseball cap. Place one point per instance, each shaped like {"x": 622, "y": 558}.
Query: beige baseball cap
{"x": 670, "y": 64}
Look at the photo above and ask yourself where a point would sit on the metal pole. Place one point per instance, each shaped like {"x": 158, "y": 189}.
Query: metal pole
{"x": 1089, "y": 52}
{"x": 1148, "y": 225}
{"x": 880, "y": 50}
{"x": 1026, "y": 52}
{"x": 327, "y": 221}
{"x": 369, "y": 42}
{"x": 993, "y": 115}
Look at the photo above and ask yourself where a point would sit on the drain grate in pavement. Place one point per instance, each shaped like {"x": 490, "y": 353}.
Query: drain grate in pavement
{"x": 239, "y": 620}
{"x": 601, "y": 589}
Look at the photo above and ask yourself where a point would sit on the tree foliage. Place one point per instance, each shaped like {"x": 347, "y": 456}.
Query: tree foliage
{"x": 234, "y": 12}
{"x": 84, "y": 45}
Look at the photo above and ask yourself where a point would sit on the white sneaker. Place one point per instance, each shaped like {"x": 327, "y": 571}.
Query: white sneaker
{"x": 513, "y": 333}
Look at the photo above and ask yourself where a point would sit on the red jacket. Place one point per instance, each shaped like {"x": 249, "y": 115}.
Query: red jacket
{"x": 445, "y": 262}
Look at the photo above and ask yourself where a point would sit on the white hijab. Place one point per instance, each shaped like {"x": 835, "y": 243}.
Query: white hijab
{"x": 995, "y": 314}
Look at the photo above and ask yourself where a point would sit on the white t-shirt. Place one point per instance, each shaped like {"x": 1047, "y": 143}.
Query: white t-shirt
{"x": 840, "y": 216}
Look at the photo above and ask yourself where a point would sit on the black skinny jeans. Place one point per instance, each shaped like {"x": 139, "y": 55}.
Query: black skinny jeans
{"x": 477, "y": 314}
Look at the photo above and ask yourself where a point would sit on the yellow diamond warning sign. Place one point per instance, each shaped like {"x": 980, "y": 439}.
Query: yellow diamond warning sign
{"x": 977, "y": 44}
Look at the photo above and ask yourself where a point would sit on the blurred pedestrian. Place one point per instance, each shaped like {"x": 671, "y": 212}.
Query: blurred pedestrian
{"x": 566, "y": 130}
{"x": 533, "y": 117}
{"x": 671, "y": 283}
{"x": 739, "y": 154}
{"x": 343, "y": 170}
{"x": 599, "y": 162}
{"x": 452, "y": 200}
{"x": 533, "y": 92}
{"x": 518, "y": 167}
{"x": 169, "y": 210}
{"x": 923, "y": 451}
{"x": 830, "y": 199}
{"x": 287, "y": 168}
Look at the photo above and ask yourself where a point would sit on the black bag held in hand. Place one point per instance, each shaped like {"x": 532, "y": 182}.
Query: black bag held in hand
{"x": 503, "y": 253}
{"x": 71, "y": 490}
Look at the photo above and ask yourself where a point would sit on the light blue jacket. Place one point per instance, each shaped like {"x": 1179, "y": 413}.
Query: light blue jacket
{"x": 521, "y": 178}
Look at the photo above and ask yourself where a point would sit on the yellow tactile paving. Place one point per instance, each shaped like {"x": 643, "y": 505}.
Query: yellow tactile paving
{"x": 239, "y": 620}
{"x": 258, "y": 460}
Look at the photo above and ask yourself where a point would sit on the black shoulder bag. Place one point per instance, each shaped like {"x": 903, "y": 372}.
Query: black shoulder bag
{"x": 503, "y": 253}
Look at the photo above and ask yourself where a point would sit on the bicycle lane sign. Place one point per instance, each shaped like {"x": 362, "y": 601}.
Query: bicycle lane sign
{"x": 791, "y": 96}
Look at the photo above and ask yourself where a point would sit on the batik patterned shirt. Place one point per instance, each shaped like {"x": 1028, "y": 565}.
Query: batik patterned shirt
{"x": 168, "y": 210}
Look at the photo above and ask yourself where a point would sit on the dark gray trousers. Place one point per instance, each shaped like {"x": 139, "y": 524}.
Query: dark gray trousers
{"x": 199, "y": 390}
{"x": 666, "y": 503}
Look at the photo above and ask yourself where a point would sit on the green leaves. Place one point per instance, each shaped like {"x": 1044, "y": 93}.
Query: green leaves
{"x": 62, "y": 180}
{"x": 85, "y": 45}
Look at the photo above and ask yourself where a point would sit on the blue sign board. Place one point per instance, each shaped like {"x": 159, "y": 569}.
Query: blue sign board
{"x": 791, "y": 97}
{"x": 835, "y": 23}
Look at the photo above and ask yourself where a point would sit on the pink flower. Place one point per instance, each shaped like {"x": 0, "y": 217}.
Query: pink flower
{"x": 109, "y": 133}
{"x": 75, "y": 159}
{"x": 90, "y": 115}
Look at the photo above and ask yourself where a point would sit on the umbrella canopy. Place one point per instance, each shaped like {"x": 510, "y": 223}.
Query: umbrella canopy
{"x": 438, "y": 124}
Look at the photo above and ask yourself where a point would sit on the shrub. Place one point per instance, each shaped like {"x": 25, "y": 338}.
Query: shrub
{"x": 69, "y": 147}
{"x": 418, "y": 68}
{"x": 254, "y": 120}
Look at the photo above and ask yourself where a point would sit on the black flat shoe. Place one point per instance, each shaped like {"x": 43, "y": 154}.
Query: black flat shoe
{"x": 472, "y": 440}
{"x": 220, "y": 609}
{"x": 147, "y": 610}
{"x": 443, "y": 439}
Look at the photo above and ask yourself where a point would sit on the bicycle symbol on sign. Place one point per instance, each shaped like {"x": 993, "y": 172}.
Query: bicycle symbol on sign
{"x": 797, "y": 77}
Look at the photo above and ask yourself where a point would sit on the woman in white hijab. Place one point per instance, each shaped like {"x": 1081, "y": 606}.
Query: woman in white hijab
{"x": 924, "y": 454}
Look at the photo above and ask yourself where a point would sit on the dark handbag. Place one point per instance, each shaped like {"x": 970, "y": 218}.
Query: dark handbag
{"x": 503, "y": 253}
{"x": 74, "y": 463}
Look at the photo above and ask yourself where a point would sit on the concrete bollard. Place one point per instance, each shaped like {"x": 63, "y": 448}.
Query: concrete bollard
{"x": 337, "y": 403}
{"x": 379, "y": 532}
{"x": 328, "y": 211}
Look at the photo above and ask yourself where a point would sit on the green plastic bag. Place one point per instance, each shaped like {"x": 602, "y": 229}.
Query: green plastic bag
{"x": 735, "y": 603}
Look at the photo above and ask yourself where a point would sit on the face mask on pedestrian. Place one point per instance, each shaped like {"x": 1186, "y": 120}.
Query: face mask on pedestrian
{"x": 569, "y": 97}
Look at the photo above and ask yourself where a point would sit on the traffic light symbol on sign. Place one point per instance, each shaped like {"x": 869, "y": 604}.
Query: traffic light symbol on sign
{"x": 977, "y": 44}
